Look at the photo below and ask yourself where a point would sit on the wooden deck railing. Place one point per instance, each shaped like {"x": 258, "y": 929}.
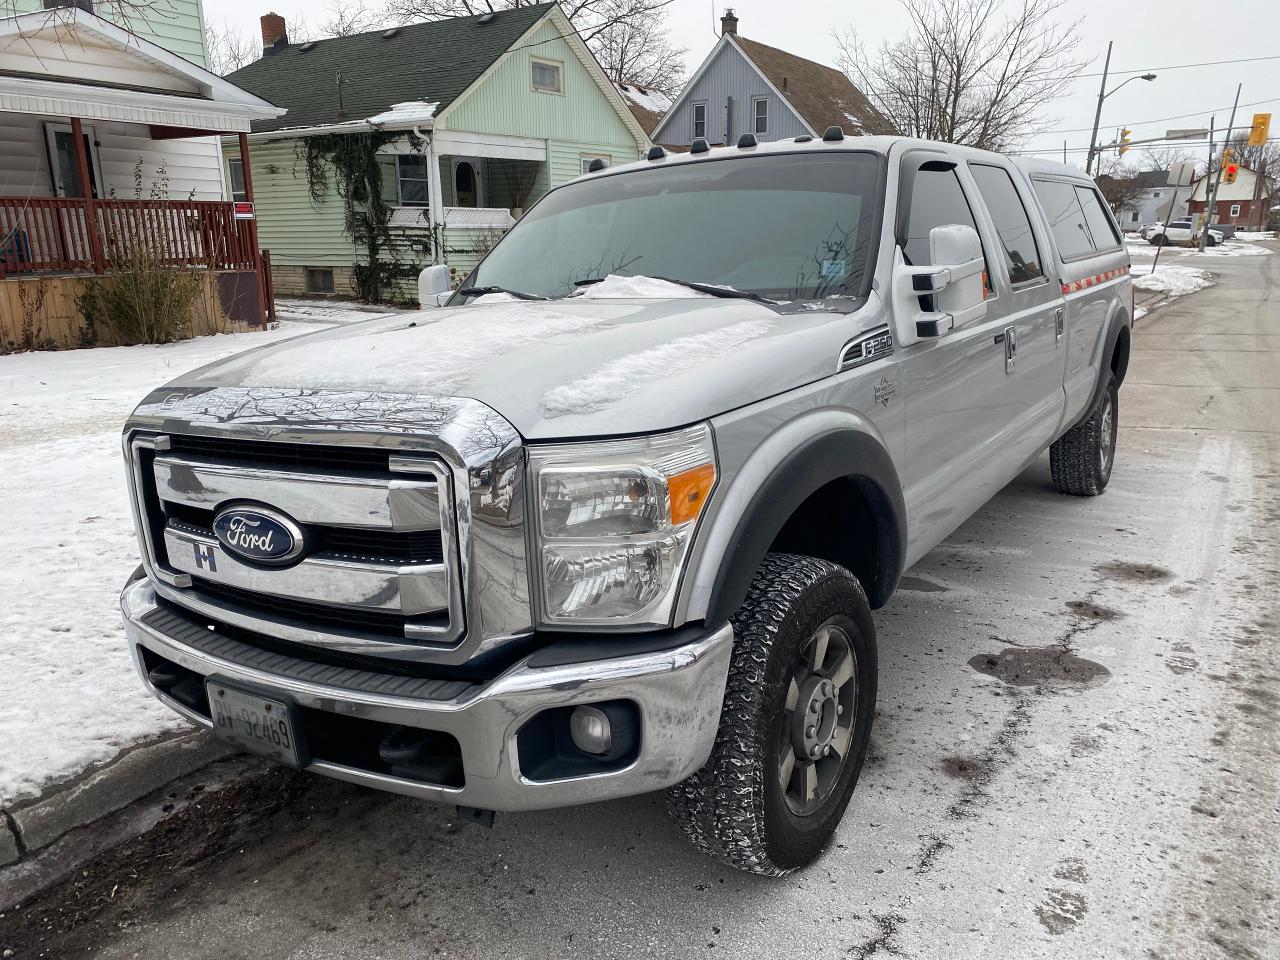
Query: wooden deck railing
{"x": 53, "y": 233}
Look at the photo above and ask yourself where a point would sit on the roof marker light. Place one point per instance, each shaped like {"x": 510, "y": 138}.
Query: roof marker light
{"x": 803, "y": 138}
{"x": 699, "y": 145}
{"x": 596, "y": 165}
{"x": 833, "y": 135}
{"x": 746, "y": 140}
{"x": 655, "y": 153}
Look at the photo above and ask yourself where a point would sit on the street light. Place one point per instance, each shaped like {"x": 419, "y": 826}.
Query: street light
{"x": 1103, "y": 93}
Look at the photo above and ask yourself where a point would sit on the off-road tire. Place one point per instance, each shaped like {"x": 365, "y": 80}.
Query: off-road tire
{"x": 1077, "y": 459}
{"x": 733, "y": 808}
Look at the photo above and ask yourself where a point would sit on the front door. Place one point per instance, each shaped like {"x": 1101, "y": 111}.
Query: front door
{"x": 64, "y": 167}
{"x": 466, "y": 184}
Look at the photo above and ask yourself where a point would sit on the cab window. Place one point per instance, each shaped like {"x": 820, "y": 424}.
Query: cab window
{"x": 937, "y": 200}
{"x": 1103, "y": 231}
{"x": 1013, "y": 226}
{"x": 1066, "y": 217}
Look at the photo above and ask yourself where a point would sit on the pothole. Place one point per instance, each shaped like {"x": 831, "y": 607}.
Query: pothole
{"x": 1041, "y": 666}
{"x": 1134, "y": 572}
{"x": 1092, "y": 611}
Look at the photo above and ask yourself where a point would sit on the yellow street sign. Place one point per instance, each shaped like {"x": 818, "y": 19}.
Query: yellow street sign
{"x": 1258, "y": 132}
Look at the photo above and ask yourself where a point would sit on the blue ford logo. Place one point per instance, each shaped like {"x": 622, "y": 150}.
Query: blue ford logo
{"x": 259, "y": 534}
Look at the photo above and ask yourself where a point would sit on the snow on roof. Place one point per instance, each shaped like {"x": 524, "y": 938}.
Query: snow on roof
{"x": 411, "y": 111}
{"x": 647, "y": 98}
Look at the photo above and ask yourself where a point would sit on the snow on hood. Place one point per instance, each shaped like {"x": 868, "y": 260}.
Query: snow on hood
{"x": 567, "y": 368}
{"x": 614, "y": 287}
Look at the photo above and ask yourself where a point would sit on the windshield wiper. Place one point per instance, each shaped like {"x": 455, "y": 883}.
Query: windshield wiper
{"x": 725, "y": 293}
{"x": 482, "y": 291}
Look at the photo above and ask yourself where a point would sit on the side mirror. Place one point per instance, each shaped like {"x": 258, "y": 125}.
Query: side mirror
{"x": 434, "y": 287}
{"x": 954, "y": 284}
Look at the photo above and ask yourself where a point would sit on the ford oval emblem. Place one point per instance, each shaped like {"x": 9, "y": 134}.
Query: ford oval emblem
{"x": 259, "y": 534}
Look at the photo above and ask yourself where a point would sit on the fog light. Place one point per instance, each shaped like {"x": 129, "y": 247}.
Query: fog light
{"x": 591, "y": 730}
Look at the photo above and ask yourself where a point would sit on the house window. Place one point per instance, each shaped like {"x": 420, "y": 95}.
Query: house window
{"x": 699, "y": 120}
{"x": 235, "y": 171}
{"x": 85, "y": 5}
{"x": 411, "y": 175}
{"x": 319, "y": 279}
{"x": 1235, "y": 210}
{"x": 760, "y": 107}
{"x": 589, "y": 158}
{"x": 547, "y": 76}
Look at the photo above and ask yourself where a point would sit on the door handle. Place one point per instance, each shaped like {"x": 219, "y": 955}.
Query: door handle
{"x": 1010, "y": 348}
{"x": 1057, "y": 327}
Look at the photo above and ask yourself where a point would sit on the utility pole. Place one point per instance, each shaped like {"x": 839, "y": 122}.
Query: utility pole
{"x": 1211, "y": 195}
{"x": 1097, "y": 116}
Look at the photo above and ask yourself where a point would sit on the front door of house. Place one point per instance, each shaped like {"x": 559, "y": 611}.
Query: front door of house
{"x": 64, "y": 168}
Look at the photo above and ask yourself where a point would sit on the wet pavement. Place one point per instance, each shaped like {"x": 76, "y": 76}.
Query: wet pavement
{"x": 1076, "y": 753}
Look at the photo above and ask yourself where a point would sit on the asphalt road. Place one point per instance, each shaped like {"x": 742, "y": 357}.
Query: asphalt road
{"x": 1077, "y": 752}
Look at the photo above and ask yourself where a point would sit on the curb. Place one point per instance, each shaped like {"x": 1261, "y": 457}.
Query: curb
{"x": 30, "y": 827}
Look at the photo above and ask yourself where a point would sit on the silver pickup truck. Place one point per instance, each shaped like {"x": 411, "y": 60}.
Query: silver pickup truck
{"x": 614, "y": 519}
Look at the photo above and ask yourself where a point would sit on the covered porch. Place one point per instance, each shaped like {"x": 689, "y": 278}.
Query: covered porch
{"x": 109, "y": 144}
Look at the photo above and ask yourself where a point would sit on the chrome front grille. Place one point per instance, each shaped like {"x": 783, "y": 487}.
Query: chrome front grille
{"x": 381, "y": 571}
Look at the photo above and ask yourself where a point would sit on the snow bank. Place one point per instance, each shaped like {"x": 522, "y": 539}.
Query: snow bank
{"x": 68, "y": 693}
{"x": 617, "y": 379}
{"x": 1236, "y": 248}
{"x": 614, "y": 287}
{"x": 1169, "y": 280}
{"x": 1255, "y": 235}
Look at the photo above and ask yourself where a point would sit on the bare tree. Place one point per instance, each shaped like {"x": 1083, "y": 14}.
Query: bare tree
{"x": 346, "y": 18}
{"x": 1119, "y": 185}
{"x": 1254, "y": 158}
{"x": 229, "y": 49}
{"x": 1164, "y": 157}
{"x": 627, "y": 36}
{"x": 968, "y": 72}
{"x": 639, "y": 51}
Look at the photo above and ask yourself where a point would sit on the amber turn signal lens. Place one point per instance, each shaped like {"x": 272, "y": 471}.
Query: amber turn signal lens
{"x": 689, "y": 491}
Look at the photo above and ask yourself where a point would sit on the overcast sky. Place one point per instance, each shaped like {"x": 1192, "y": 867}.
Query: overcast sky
{"x": 1147, "y": 35}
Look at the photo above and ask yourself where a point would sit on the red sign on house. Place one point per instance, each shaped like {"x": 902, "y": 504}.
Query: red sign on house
{"x": 243, "y": 210}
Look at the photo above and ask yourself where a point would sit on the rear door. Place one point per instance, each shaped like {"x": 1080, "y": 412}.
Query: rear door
{"x": 1025, "y": 279}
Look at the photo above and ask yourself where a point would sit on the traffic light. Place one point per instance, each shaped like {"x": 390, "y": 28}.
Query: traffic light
{"x": 1261, "y": 127}
{"x": 1230, "y": 171}
{"x": 1124, "y": 141}
{"x": 1227, "y": 154}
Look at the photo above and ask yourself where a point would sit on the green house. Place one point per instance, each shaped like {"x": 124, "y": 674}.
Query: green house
{"x": 469, "y": 121}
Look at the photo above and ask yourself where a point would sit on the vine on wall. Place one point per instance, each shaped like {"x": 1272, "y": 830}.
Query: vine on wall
{"x": 353, "y": 160}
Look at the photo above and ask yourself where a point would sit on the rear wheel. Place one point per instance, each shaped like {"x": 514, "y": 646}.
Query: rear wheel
{"x": 797, "y": 715}
{"x": 1157, "y": 240}
{"x": 1081, "y": 459}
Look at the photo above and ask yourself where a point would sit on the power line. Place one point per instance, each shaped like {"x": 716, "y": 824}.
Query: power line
{"x": 1185, "y": 66}
{"x": 1181, "y": 116}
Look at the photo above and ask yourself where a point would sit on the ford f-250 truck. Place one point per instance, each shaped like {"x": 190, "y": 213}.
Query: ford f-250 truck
{"x": 615, "y": 518}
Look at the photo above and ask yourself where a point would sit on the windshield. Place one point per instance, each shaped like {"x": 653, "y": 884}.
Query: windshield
{"x": 785, "y": 227}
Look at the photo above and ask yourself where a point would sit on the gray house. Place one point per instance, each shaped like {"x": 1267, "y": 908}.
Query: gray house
{"x": 1151, "y": 205}
{"x": 748, "y": 87}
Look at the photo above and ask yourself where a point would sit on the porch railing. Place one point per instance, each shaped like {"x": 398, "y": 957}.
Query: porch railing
{"x": 54, "y": 233}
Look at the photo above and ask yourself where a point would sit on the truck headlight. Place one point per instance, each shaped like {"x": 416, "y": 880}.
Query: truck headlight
{"x": 615, "y": 521}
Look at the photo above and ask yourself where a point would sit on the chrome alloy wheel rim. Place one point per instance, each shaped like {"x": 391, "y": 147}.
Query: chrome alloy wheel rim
{"x": 1107, "y": 447}
{"x": 816, "y": 731}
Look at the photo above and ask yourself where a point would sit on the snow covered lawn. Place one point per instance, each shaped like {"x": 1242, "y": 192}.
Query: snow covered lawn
{"x": 1169, "y": 280}
{"x": 329, "y": 311}
{"x": 68, "y": 694}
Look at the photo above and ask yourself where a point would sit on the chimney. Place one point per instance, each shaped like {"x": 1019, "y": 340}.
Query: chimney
{"x": 274, "y": 34}
{"x": 728, "y": 23}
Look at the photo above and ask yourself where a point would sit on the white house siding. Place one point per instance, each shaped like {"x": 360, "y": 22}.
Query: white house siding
{"x": 729, "y": 75}
{"x": 193, "y": 165}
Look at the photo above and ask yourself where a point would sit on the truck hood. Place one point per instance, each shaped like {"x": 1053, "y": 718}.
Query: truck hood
{"x": 567, "y": 368}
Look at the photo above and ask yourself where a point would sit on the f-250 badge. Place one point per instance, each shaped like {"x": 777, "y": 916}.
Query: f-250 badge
{"x": 885, "y": 391}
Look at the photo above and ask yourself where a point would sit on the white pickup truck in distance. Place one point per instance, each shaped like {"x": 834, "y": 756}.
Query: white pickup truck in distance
{"x": 614, "y": 517}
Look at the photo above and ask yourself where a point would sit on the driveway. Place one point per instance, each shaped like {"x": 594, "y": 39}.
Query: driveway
{"x": 1077, "y": 752}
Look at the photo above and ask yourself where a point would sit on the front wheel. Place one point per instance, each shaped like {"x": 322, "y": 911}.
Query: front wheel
{"x": 1081, "y": 459}
{"x": 797, "y": 715}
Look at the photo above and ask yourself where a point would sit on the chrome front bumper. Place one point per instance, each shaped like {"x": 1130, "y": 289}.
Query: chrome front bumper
{"x": 678, "y": 692}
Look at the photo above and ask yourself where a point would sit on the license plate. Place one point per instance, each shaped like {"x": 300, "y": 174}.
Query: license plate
{"x": 258, "y": 724}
